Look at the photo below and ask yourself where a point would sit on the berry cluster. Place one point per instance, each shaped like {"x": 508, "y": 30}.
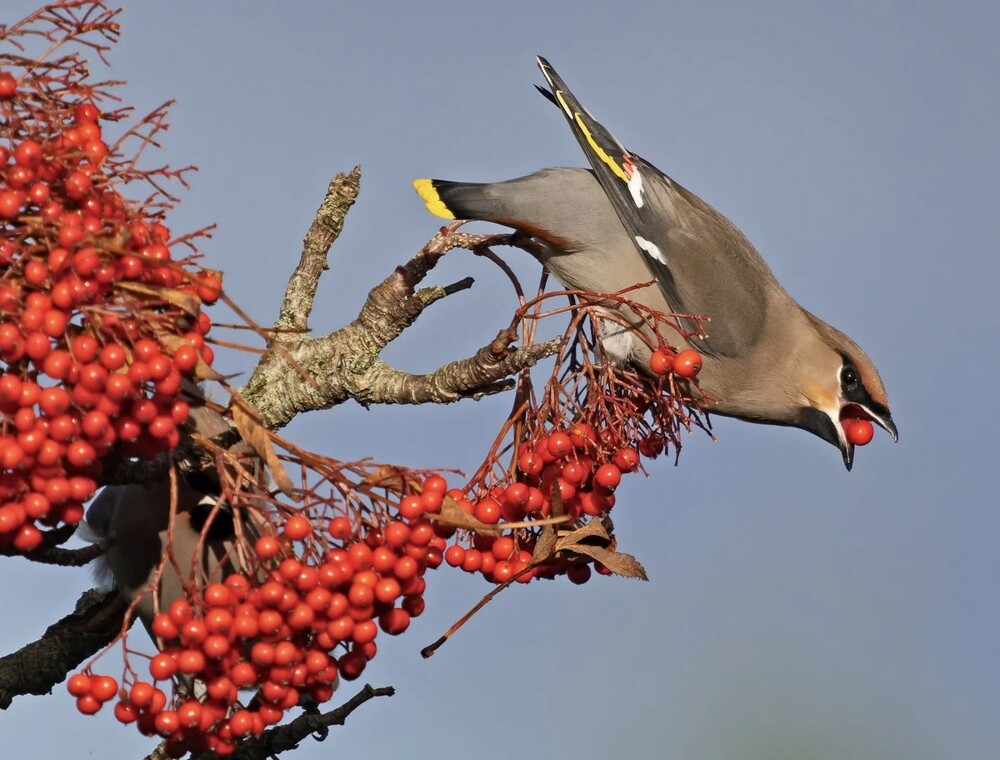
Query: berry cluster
{"x": 98, "y": 323}
{"x": 570, "y": 472}
{"x": 686, "y": 364}
{"x": 287, "y": 631}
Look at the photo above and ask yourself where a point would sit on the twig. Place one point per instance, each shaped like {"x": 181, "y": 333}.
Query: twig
{"x": 430, "y": 649}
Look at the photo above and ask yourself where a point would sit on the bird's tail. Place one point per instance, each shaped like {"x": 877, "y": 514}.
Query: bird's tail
{"x": 457, "y": 200}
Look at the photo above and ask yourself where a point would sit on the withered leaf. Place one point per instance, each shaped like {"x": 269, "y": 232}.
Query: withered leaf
{"x": 558, "y": 507}
{"x": 454, "y": 515}
{"x": 184, "y": 301}
{"x": 389, "y": 477}
{"x": 544, "y": 546}
{"x": 592, "y": 530}
{"x": 618, "y": 563}
{"x": 256, "y": 435}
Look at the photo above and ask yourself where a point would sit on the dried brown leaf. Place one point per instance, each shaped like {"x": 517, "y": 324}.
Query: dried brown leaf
{"x": 184, "y": 301}
{"x": 544, "y": 546}
{"x": 259, "y": 439}
{"x": 390, "y": 478}
{"x": 454, "y": 515}
{"x": 558, "y": 507}
{"x": 618, "y": 563}
{"x": 592, "y": 530}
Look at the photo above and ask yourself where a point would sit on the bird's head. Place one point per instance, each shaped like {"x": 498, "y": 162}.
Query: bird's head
{"x": 839, "y": 384}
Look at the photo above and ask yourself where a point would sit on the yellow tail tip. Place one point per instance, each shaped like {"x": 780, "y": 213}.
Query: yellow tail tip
{"x": 425, "y": 189}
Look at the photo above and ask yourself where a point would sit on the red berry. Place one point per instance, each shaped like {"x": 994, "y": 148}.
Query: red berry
{"x": 530, "y": 464}
{"x": 186, "y": 359}
{"x": 626, "y": 459}
{"x": 436, "y": 483}
{"x": 455, "y": 555}
{"x": 167, "y": 723}
{"x": 8, "y": 85}
{"x": 687, "y": 363}
{"x": 297, "y": 527}
{"x": 113, "y": 357}
{"x": 651, "y": 446}
{"x": 162, "y": 667}
{"x": 11, "y": 202}
{"x": 578, "y": 574}
{"x": 79, "y": 684}
{"x": 859, "y": 432}
{"x": 559, "y": 444}
{"x": 27, "y": 537}
{"x": 340, "y": 528}
{"x": 28, "y": 153}
{"x": 488, "y": 510}
{"x": 608, "y": 476}
{"x": 126, "y": 712}
{"x": 104, "y": 688}
{"x": 86, "y": 112}
{"x": 267, "y": 547}
{"x": 394, "y": 621}
{"x": 582, "y": 435}
{"x": 88, "y": 705}
{"x": 661, "y": 361}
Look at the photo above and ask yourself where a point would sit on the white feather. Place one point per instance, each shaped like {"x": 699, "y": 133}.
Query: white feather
{"x": 617, "y": 340}
{"x": 651, "y": 248}
{"x": 635, "y": 188}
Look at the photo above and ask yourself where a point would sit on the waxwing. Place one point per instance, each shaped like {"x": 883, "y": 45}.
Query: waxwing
{"x": 765, "y": 359}
{"x": 137, "y": 519}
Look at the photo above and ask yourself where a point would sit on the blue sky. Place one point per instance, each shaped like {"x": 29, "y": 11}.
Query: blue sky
{"x": 793, "y": 610}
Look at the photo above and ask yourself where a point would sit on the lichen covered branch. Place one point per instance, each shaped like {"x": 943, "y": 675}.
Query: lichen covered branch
{"x": 305, "y": 373}
{"x": 324, "y": 230}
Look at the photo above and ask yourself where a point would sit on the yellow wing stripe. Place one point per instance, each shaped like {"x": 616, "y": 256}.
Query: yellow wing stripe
{"x": 425, "y": 189}
{"x": 619, "y": 172}
{"x": 564, "y": 104}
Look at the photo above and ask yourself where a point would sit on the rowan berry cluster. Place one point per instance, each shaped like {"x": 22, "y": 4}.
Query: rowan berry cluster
{"x": 284, "y": 632}
{"x": 99, "y": 324}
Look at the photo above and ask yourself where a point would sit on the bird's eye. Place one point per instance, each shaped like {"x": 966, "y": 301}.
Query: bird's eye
{"x": 849, "y": 378}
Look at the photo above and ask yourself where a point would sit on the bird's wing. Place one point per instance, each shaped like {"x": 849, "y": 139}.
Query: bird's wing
{"x": 689, "y": 248}
{"x": 618, "y": 174}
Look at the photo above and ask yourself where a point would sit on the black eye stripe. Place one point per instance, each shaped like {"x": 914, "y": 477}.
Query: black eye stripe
{"x": 850, "y": 378}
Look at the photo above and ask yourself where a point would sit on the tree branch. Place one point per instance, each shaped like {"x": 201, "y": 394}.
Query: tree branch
{"x": 288, "y": 736}
{"x": 56, "y": 555}
{"x": 325, "y": 229}
{"x": 36, "y": 667}
{"x": 308, "y": 374}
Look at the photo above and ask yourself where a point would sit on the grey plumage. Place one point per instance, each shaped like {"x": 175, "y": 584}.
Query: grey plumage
{"x": 765, "y": 358}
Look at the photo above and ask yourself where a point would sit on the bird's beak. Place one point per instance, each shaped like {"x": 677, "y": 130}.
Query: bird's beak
{"x": 880, "y": 416}
{"x": 884, "y": 421}
{"x": 846, "y": 448}
{"x": 828, "y": 427}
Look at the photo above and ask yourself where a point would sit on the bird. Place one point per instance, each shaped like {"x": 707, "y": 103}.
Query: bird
{"x": 134, "y": 519}
{"x": 765, "y": 358}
